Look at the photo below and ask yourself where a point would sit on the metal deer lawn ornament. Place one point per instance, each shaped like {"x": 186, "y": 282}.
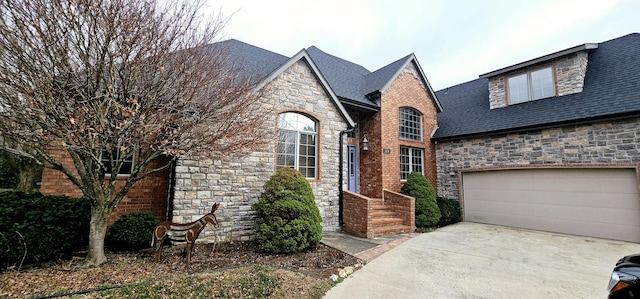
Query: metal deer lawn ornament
{"x": 181, "y": 233}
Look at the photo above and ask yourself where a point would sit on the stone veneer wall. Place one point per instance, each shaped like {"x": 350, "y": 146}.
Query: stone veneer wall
{"x": 236, "y": 181}
{"x": 570, "y": 71}
{"x": 599, "y": 143}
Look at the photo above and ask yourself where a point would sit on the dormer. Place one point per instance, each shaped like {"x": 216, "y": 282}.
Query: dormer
{"x": 557, "y": 74}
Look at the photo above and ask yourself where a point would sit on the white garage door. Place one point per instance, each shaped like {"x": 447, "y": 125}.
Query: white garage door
{"x": 590, "y": 202}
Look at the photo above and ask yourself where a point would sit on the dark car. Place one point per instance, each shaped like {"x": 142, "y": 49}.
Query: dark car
{"x": 625, "y": 279}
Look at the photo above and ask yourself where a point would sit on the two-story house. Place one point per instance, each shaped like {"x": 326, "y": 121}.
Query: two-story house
{"x": 552, "y": 143}
{"x": 355, "y": 135}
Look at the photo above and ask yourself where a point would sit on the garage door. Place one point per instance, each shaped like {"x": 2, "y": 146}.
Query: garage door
{"x": 590, "y": 202}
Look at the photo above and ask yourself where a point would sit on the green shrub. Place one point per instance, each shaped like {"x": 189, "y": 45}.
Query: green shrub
{"x": 8, "y": 173}
{"x": 132, "y": 231}
{"x": 418, "y": 187}
{"x": 449, "y": 209}
{"x": 288, "y": 218}
{"x": 50, "y": 227}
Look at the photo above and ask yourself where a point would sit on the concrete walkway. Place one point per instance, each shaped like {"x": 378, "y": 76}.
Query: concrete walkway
{"x": 469, "y": 260}
{"x": 363, "y": 248}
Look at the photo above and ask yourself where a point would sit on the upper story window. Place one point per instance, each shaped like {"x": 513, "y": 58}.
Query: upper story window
{"x": 531, "y": 86}
{"x": 410, "y": 124}
{"x": 297, "y": 143}
{"x": 127, "y": 162}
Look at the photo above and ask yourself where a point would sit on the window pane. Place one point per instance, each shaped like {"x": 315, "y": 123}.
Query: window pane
{"x": 542, "y": 84}
{"x": 518, "y": 89}
{"x": 405, "y": 165}
{"x": 296, "y": 122}
{"x": 286, "y": 149}
{"x": 410, "y": 124}
{"x": 297, "y": 146}
{"x": 416, "y": 160}
{"x": 127, "y": 163}
{"x": 410, "y": 161}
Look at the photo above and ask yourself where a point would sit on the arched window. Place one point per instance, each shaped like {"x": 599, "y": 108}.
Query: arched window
{"x": 297, "y": 143}
{"x": 410, "y": 124}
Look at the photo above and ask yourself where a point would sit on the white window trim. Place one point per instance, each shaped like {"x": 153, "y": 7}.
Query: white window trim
{"x": 296, "y": 163}
{"x": 420, "y": 125}
{"x": 530, "y": 86}
{"x": 411, "y": 161}
{"x": 298, "y": 134}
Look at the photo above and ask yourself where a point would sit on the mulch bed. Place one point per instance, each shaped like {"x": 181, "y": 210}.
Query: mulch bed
{"x": 123, "y": 268}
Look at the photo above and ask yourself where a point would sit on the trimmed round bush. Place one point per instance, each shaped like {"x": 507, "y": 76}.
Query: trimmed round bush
{"x": 132, "y": 231}
{"x": 449, "y": 209}
{"x": 287, "y": 216}
{"x": 427, "y": 211}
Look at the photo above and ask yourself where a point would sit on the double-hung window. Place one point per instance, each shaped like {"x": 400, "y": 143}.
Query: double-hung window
{"x": 116, "y": 156}
{"x": 297, "y": 143}
{"x": 410, "y": 161}
{"x": 531, "y": 86}
{"x": 410, "y": 122}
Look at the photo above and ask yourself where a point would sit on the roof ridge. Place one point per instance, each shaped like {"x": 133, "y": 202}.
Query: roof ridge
{"x": 251, "y": 45}
{"x": 341, "y": 60}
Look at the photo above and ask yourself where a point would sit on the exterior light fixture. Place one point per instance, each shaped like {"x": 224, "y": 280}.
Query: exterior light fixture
{"x": 365, "y": 143}
{"x": 452, "y": 169}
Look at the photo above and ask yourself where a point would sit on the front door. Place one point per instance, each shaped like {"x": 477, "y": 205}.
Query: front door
{"x": 352, "y": 168}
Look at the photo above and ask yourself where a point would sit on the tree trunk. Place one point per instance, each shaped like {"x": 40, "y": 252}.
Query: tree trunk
{"x": 97, "y": 232}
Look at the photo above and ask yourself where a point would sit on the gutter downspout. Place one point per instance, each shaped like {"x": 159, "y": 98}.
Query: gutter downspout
{"x": 341, "y": 178}
{"x": 172, "y": 189}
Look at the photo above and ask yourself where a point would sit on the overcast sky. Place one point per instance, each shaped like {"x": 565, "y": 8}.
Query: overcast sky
{"x": 454, "y": 40}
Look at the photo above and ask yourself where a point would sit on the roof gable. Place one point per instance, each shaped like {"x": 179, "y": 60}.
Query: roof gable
{"x": 346, "y": 78}
{"x": 353, "y": 83}
{"x": 611, "y": 89}
{"x": 380, "y": 80}
{"x": 304, "y": 55}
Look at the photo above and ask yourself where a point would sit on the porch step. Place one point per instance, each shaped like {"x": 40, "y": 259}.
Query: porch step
{"x": 391, "y": 230}
{"x": 383, "y": 213}
{"x": 385, "y": 221}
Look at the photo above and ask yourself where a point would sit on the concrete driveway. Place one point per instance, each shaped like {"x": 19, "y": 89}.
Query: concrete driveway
{"x": 470, "y": 260}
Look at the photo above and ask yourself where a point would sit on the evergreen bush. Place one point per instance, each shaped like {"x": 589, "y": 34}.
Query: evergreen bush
{"x": 449, "y": 209}
{"x": 45, "y": 227}
{"x": 8, "y": 173}
{"x": 288, "y": 218}
{"x": 132, "y": 231}
{"x": 427, "y": 211}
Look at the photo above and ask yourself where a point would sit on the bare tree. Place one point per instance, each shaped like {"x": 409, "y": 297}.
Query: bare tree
{"x": 108, "y": 81}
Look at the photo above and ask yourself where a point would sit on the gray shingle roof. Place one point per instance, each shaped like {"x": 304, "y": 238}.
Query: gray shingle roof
{"x": 253, "y": 61}
{"x": 611, "y": 89}
{"x": 377, "y": 80}
{"x": 346, "y": 78}
{"x": 349, "y": 81}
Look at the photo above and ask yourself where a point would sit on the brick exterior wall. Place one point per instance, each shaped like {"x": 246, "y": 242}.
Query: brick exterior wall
{"x": 357, "y": 213}
{"x": 569, "y": 72}
{"x": 236, "y": 181}
{"x": 379, "y": 170}
{"x": 148, "y": 195}
{"x": 599, "y": 143}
